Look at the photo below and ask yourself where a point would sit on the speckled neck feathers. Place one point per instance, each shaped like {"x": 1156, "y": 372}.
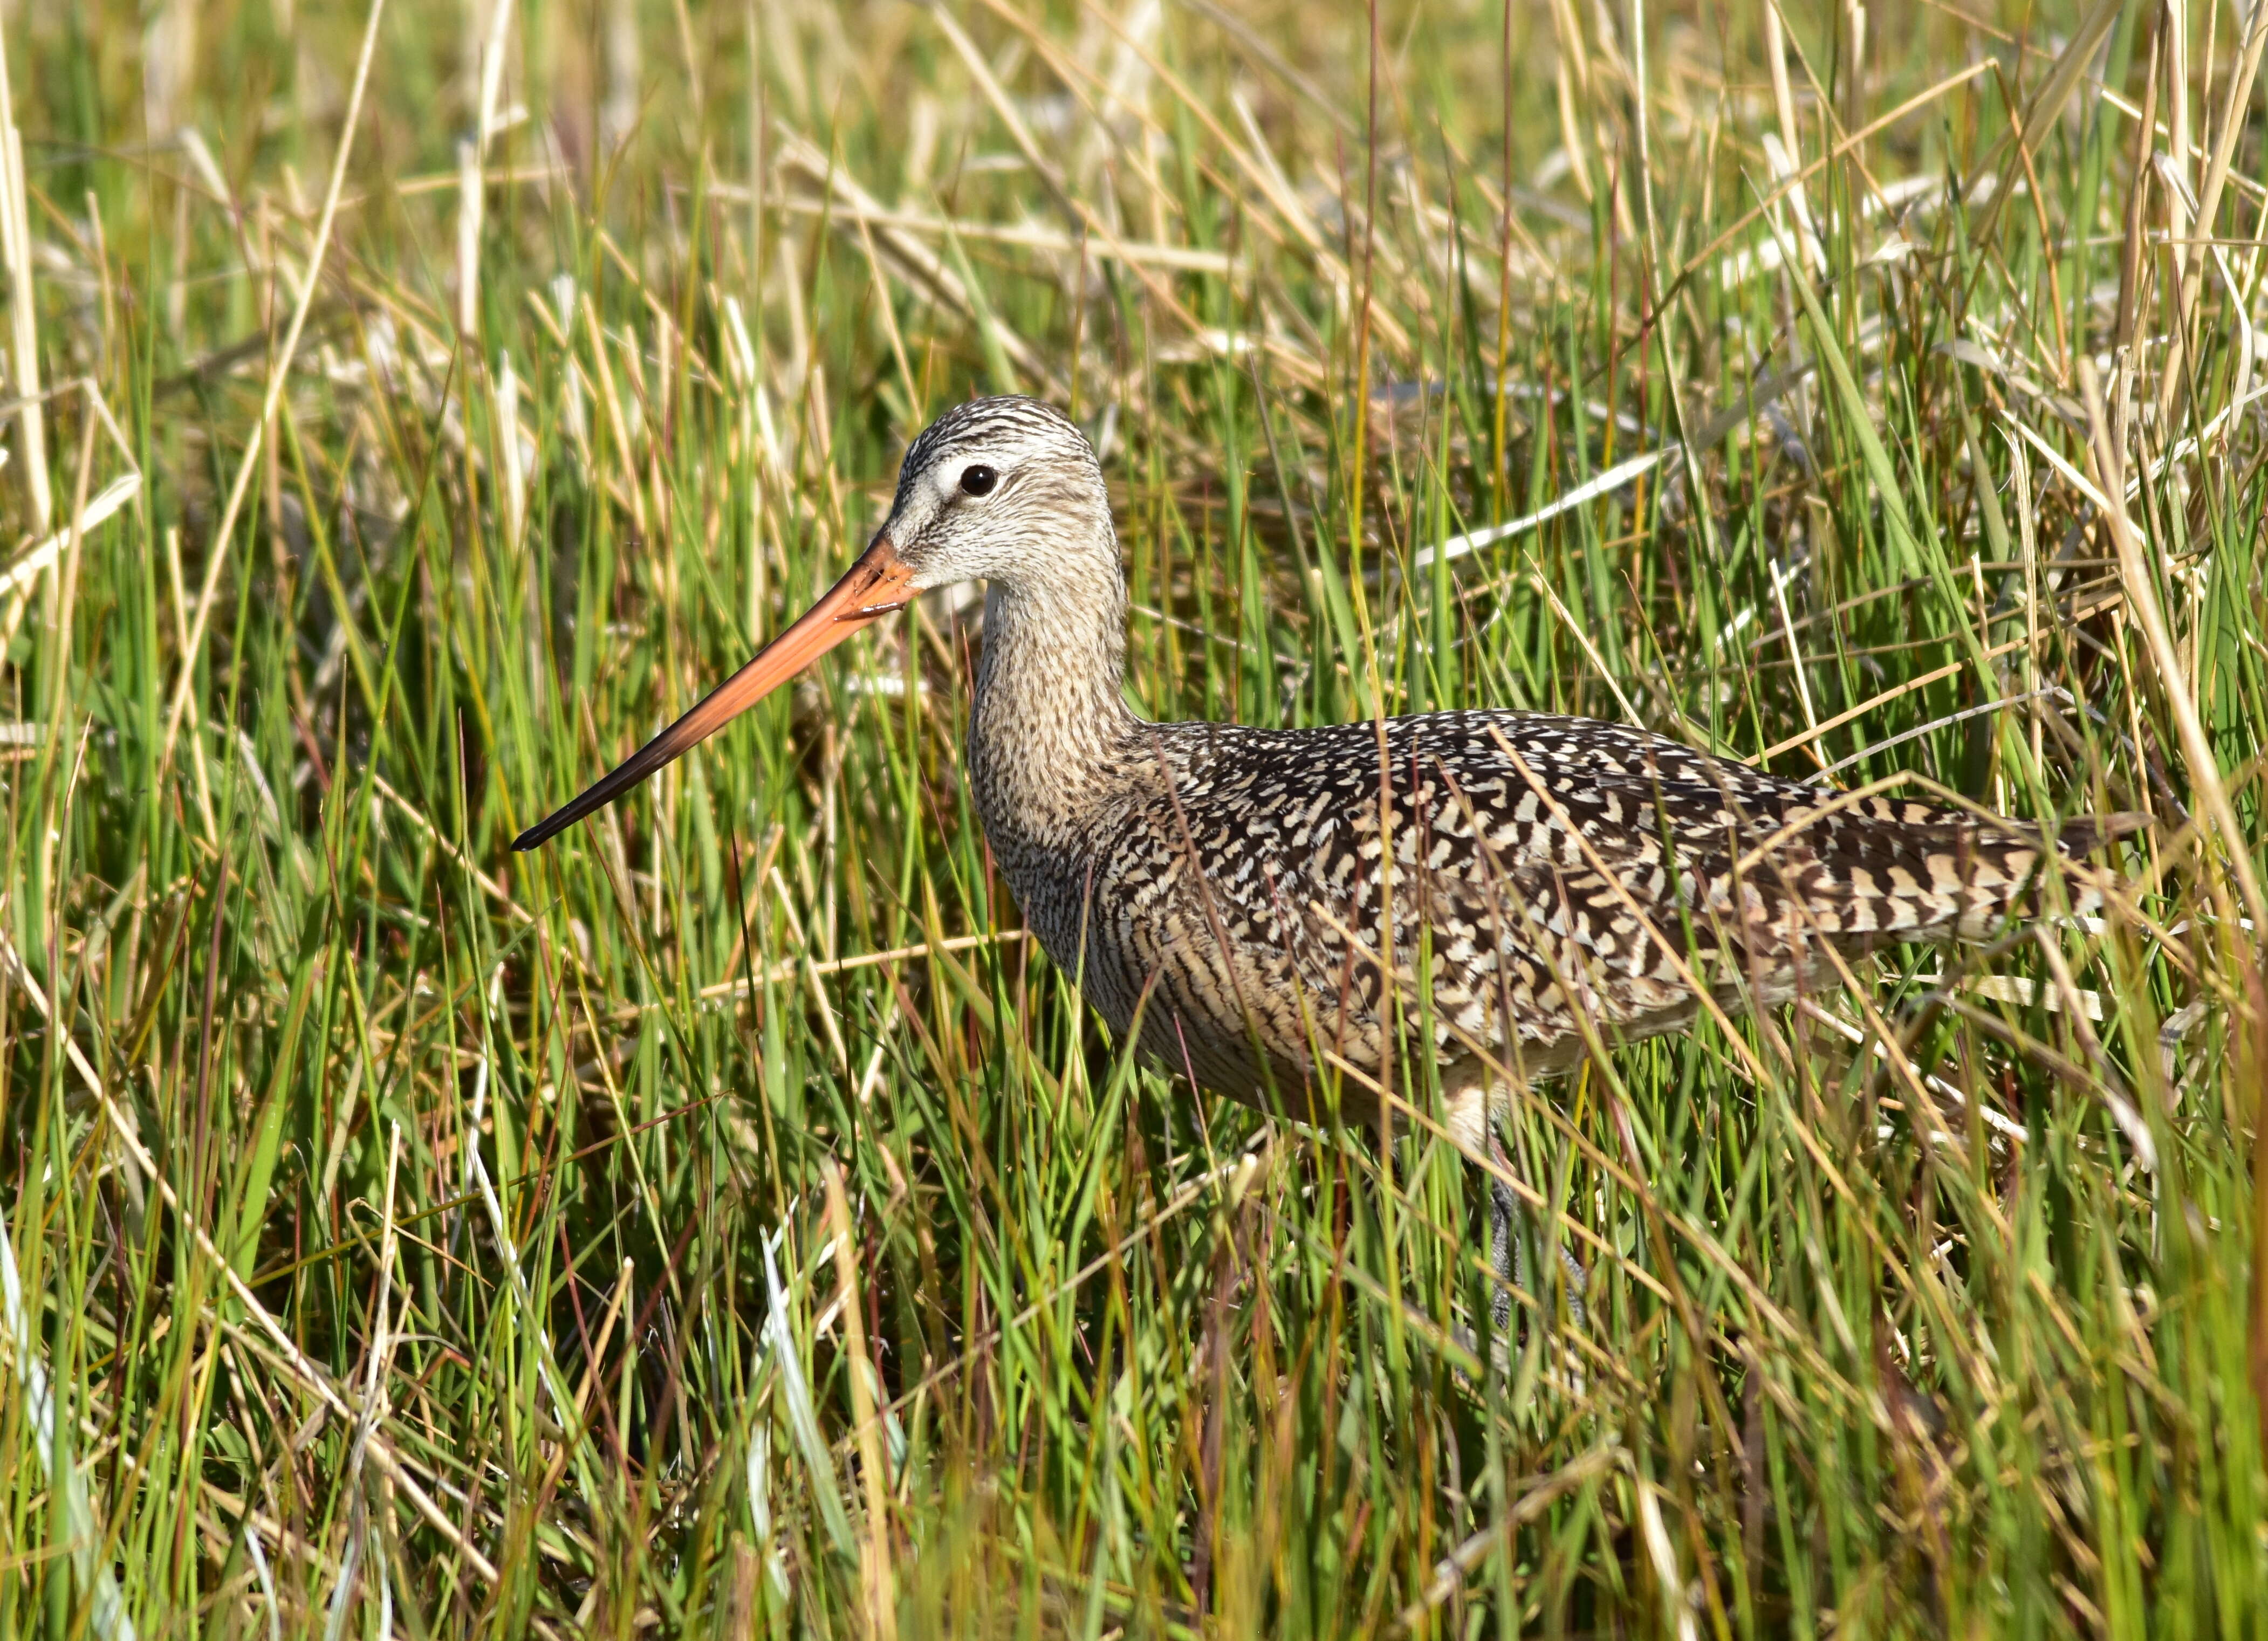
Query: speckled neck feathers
{"x": 1049, "y": 733}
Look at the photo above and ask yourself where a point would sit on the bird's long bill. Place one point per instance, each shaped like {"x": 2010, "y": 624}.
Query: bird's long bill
{"x": 879, "y": 583}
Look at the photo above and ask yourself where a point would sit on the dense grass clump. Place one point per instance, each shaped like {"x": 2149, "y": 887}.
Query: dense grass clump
{"x": 725, "y": 1221}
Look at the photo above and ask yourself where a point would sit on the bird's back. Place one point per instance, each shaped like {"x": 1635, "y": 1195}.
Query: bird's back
{"x": 1250, "y": 891}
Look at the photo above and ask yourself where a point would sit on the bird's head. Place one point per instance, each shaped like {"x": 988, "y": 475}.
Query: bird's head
{"x": 1004, "y": 489}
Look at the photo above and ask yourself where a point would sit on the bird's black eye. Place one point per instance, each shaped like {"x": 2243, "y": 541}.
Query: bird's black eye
{"x": 978, "y": 479}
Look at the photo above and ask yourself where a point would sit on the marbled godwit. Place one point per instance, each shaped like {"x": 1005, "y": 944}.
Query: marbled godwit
{"x": 1260, "y": 905}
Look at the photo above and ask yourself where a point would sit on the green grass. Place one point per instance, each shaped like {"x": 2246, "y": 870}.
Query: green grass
{"x": 724, "y": 1221}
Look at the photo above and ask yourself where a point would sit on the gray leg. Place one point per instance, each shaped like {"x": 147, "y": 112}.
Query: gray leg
{"x": 1511, "y": 1227}
{"x": 1504, "y": 1253}
{"x": 1578, "y": 1279}
{"x": 1508, "y": 1248}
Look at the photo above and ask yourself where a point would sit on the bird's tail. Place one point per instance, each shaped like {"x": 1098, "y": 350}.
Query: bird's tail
{"x": 2078, "y": 838}
{"x": 1893, "y": 871}
{"x": 2019, "y": 893}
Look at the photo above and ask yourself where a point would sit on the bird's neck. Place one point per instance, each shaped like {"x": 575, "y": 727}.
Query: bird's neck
{"x": 1049, "y": 731}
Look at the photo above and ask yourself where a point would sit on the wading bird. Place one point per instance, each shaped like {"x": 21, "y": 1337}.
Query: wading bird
{"x": 1288, "y": 917}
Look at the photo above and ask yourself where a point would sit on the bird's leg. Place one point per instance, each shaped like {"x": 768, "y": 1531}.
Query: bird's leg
{"x": 1578, "y": 1279}
{"x": 1507, "y": 1253}
{"x": 1511, "y": 1228}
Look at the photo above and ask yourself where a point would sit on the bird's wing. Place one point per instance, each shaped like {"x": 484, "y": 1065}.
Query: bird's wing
{"x": 1511, "y": 873}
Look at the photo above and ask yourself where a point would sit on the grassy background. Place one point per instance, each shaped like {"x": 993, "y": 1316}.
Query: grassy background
{"x": 724, "y": 1221}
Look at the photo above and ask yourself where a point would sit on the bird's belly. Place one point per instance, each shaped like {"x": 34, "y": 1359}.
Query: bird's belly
{"x": 1229, "y": 1022}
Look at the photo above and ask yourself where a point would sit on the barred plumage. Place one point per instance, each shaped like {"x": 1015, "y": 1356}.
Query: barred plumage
{"x": 1259, "y": 886}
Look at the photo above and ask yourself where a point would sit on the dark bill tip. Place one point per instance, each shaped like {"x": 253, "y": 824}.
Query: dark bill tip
{"x": 879, "y": 583}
